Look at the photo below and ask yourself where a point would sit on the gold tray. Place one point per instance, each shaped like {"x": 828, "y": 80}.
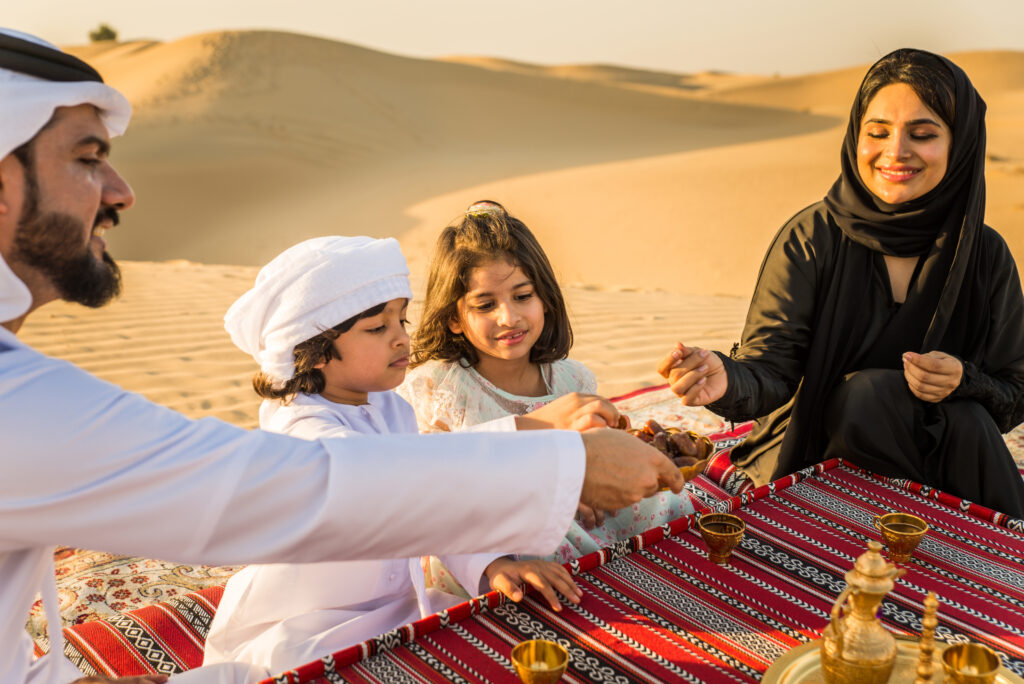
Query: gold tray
{"x": 802, "y": 665}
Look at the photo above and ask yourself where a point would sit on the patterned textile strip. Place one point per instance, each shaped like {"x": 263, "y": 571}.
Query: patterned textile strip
{"x": 164, "y": 638}
{"x": 656, "y": 610}
{"x": 977, "y": 510}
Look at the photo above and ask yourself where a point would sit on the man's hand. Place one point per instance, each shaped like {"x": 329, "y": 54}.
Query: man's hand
{"x": 547, "y": 577}
{"x": 572, "y": 411}
{"x": 141, "y": 679}
{"x": 622, "y": 469}
{"x": 696, "y": 375}
{"x": 932, "y": 376}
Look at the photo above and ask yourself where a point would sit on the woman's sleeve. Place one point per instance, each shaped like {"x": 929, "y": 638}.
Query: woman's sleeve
{"x": 765, "y": 370}
{"x": 997, "y": 381}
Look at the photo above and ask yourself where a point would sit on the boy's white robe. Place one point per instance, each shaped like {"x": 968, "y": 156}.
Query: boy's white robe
{"x": 86, "y": 464}
{"x": 280, "y": 616}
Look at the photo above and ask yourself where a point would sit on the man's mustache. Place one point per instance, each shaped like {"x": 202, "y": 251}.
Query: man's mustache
{"x": 107, "y": 214}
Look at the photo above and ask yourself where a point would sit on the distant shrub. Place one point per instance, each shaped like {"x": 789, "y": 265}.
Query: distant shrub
{"x": 102, "y": 32}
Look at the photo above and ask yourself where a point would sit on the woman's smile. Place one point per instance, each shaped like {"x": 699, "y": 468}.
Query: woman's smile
{"x": 903, "y": 146}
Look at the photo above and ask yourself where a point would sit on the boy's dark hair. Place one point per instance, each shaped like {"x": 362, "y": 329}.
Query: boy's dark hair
{"x": 307, "y": 379}
{"x": 486, "y": 232}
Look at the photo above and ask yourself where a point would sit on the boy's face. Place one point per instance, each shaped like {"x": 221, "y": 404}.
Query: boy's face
{"x": 372, "y": 356}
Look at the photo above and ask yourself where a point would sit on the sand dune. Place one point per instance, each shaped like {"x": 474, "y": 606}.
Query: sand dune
{"x": 655, "y": 194}
{"x": 274, "y": 137}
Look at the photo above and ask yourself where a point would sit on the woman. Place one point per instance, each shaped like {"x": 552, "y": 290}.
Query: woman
{"x": 887, "y": 325}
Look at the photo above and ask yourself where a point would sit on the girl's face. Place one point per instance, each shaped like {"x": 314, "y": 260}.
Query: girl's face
{"x": 903, "y": 147}
{"x": 372, "y": 356}
{"x": 501, "y": 315}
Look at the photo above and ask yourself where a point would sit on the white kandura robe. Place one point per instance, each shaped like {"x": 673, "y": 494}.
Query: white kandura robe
{"x": 280, "y": 616}
{"x": 87, "y": 464}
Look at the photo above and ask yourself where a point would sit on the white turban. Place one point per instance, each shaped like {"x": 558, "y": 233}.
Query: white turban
{"x": 26, "y": 105}
{"x": 310, "y": 288}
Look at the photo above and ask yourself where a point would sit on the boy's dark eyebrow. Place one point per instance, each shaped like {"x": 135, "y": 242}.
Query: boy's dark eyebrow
{"x": 915, "y": 122}
{"x": 103, "y": 146}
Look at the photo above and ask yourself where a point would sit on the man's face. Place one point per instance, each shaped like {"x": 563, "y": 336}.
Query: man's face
{"x": 71, "y": 197}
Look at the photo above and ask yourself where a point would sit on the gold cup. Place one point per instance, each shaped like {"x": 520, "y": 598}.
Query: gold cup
{"x": 901, "y": 533}
{"x": 970, "y": 664}
{"x": 539, "y": 661}
{"x": 721, "y": 532}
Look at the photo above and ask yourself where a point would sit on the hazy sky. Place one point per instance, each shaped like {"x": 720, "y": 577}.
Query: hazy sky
{"x": 757, "y": 36}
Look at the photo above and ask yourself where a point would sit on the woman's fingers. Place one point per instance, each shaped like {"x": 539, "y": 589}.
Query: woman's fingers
{"x": 932, "y": 376}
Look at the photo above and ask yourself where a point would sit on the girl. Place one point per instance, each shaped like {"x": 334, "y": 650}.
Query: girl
{"x": 326, "y": 322}
{"x": 887, "y": 325}
{"x": 493, "y": 341}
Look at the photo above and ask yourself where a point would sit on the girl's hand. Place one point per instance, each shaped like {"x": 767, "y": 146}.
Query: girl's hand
{"x": 589, "y": 517}
{"x": 573, "y": 411}
{"x": 696, "y": 375}
{"x": 932, "y": 376}
{"x": 506, "y": 575}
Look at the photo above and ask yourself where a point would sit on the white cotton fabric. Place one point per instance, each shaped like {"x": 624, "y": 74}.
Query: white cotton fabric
{"x": 312, "y": 287}
{"x": 26, "y": 105}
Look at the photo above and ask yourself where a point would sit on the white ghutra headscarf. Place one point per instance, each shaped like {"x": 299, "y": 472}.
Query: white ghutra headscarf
{"x": 36, "y": 77}
{"x": 309, "y": 288}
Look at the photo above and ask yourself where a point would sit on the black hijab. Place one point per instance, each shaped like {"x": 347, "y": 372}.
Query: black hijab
{"x": 943, "y": 226}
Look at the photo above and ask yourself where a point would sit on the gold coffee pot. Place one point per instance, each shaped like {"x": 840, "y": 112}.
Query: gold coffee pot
{"x": 855, "y": 648}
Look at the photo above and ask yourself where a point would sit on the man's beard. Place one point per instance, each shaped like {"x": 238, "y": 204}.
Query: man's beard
{"x": 50, "y": 243}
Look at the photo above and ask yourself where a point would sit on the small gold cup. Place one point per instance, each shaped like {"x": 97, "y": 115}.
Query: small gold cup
{"x": 970, "y": 664}
{"x": 721, "y": 532}
{"x": 901, "y": 533}
{"x": 538, "y": 661}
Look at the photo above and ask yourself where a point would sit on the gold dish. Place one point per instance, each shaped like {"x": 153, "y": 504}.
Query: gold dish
{"x": 721, "y": 532}
{"x": 802, "y": 665}
{"x": 539, "y": 661}
{"x": 901, "y": 533}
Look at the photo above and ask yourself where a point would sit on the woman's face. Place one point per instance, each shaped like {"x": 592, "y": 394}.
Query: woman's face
{"x": 903, "y": 146}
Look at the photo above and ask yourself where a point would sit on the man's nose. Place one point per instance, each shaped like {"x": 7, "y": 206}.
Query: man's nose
{"x": 116, "y": 191}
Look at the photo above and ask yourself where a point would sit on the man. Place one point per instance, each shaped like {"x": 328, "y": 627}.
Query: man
{"x": 84, "y": 463}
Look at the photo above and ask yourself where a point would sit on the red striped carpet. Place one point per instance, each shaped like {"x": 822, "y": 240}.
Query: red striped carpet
{"x": 656, "y": 610}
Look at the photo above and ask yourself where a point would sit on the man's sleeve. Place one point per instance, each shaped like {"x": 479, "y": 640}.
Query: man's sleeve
{"x": 87, "y": 464}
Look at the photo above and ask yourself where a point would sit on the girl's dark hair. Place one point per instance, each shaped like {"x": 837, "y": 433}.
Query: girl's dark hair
{"x": 926, "y": 73}
{"x": 484, "y": 233}
{"x": 307, "y": 379}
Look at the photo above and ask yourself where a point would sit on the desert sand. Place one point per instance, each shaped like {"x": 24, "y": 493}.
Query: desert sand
{"x": 654, "y": 194}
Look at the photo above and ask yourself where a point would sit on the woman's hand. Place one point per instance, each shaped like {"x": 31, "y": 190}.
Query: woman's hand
{"x": 696, "y": 375}
{"x": 932, "y": 376}
{"x": 572, "y": 411}
{"x": 547, "y": 577}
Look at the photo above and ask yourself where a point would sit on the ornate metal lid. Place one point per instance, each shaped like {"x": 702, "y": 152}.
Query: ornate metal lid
{"x": 872, "y": 572}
